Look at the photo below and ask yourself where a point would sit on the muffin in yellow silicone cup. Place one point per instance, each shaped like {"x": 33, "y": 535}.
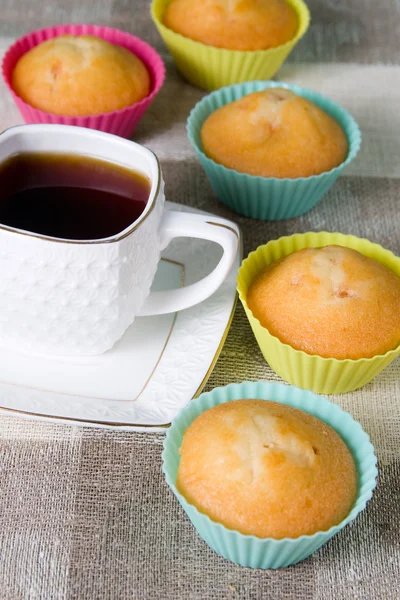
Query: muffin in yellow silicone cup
{"x": 320, "y": 373}
{"x": 211, "y": 67}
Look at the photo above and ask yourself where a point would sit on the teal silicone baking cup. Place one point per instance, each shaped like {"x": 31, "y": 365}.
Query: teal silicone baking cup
{"x": 268, "y": 553}
{"x": 268, "y": 198}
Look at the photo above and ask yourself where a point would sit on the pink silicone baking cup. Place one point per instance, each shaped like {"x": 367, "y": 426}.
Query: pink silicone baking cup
{"x": 120, "y": 122}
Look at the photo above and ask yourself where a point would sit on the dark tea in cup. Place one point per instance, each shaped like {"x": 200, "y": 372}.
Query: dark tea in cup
{"x": 83, "y": 223}
{"x": 70, "y": 197}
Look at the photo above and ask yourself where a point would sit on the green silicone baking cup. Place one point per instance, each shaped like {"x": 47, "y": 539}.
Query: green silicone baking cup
{"x": 210, "y": 68}
{"x": 268, "y": 553}
{"x": 268, "y": 198}
{"x": 310, "y": 371}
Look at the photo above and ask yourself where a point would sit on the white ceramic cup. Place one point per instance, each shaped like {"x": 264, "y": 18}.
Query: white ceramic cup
{"x": 71, "y": 297}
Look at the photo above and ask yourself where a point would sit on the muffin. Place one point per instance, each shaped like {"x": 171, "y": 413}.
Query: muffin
{"x": 80, "y": 75}
{"x": 233, "y": 24}
{"x": 331, "y": 302}
{"x": 274, "y": 133}
{"x": 266, "y": 469}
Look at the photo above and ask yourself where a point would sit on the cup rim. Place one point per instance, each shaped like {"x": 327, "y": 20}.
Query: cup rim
{"x": 321, "y": 400}
{"x": 104, "y": 137}
{"x": 243, "y": 297}
{"x": 300, "y": 7}
{"x": 91, "y": 29}
{"x": 322, "y": 101}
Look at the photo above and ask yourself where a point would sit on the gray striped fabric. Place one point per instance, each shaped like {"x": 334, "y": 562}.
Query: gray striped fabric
{"x": 85, "y": 513}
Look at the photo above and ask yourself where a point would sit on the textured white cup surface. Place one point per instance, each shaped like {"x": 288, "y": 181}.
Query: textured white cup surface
{"x": 78, "y": 298}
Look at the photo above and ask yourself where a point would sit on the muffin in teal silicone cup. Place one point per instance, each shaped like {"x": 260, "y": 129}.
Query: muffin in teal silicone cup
{"x": 269, "y": 552}
{"x": 264, "y": 197}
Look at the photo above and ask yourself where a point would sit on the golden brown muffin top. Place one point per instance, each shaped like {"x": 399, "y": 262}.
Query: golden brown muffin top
{"x": 80, "y": 75}
{"x": 274, "y": 133}
{"x": 266, "y": 469}
{"x": 332, "y": 302}
{"x": 233, "y": 24}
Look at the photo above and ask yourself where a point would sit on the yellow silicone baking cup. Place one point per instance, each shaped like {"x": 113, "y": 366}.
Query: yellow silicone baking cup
{"x": 321, "y": 375}
{"x": 211, "y": 68}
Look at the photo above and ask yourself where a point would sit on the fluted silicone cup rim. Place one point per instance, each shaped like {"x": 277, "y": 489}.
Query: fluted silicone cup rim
{"x": 209, "y": 67}
{"x": 299, "y": 6}
{"x": 153, "y": 62}
{"x": 214, "y": 100}
{"x": 363, "y": 453}
{"x": 358, "y": 243}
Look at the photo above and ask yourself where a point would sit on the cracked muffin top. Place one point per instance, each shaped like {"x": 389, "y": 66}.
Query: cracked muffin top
{"x": 332, "y": 302}
{"x": 274, "y": 133}
{"x": 80, "y": 75}
{"x": 266, "y": 469}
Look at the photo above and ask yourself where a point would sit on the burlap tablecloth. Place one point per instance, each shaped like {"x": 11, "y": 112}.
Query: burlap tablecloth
{"x": 85, "y": 513}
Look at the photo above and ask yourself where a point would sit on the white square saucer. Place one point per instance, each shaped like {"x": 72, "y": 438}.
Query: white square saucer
{"x": 159, "y": 365}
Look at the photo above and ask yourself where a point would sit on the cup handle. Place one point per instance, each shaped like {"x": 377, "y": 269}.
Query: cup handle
{"x": 177, "y": 224}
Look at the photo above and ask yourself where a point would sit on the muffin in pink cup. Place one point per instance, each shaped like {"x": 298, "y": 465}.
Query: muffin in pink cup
{"x": 120, "y": 122}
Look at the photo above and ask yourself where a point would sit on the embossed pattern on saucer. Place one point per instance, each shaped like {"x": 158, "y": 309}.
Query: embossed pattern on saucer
{"x": 155, "y": 370}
